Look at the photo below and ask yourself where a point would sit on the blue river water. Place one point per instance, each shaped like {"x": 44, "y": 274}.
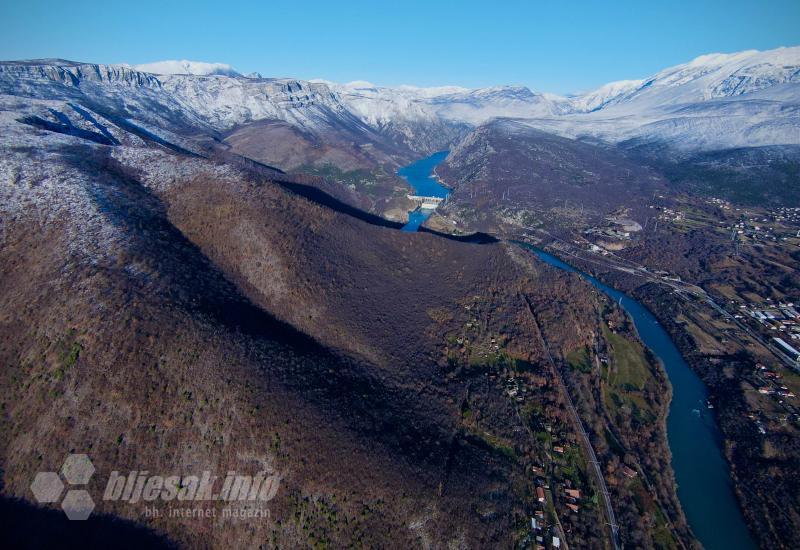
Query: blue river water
{"x": 704, "y": 484}
{"x": 418, "y": 175}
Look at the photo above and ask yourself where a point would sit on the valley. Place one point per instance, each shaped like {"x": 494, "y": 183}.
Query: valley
{"x": 442, "y": 317}
{"x": 701, "y": 473}
{"x": 697, "y": 262}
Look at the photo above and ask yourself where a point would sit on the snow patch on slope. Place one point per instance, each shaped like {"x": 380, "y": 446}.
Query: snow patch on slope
{"x": 604, "y": 95}
{"x": 198, "y": 68}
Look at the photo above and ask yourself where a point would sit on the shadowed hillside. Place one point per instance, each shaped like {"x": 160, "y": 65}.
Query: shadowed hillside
{"x": 163, "y": 312}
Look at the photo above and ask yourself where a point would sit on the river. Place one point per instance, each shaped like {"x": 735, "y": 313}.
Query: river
{"x": 704, "y": 484}
{"x": 418, "y": 176}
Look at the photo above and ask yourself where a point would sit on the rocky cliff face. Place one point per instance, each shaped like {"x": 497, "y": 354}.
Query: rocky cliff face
{"x": 220, "y": 101}
{"x": 30, "y": 73}
{"x": 287, "y": 123}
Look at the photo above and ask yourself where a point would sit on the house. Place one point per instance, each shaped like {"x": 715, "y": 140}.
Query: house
{"x": 540, "y": 494}
{"x": 573, "y": 507}
{"x": 629, "y": 472}
{"x": 556, "y": 542}
{"x": 573, "y": 493}
{"x": 558, "y": 449}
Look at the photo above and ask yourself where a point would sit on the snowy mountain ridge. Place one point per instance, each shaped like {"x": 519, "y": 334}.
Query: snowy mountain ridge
{"x": 714, "y": 101}
{"x": 715, "y": 76}
{"x": 706, "y": 77}
{"x": 199, "y": 68}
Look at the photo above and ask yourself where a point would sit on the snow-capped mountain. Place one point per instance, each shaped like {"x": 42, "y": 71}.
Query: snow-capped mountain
{"x": 605, "y": 95}
{"x": 205, "y": 101}
{"x": 187, "y": 67}
{"x": 715, "y": 101}
{"x": 707, "y": 77}
{"x": 477, "y": 106}
{"x": 382, "y": 105}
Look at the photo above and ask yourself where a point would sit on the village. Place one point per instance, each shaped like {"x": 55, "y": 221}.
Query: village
{"x": 558, "y": 498}
{"x": 772, "y": 319}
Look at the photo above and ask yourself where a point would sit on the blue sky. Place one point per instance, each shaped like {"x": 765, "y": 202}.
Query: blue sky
{"x": 547, "y": 45}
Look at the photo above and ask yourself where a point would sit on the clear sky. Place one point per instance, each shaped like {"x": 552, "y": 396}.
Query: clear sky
{"x": 555, "y": 46}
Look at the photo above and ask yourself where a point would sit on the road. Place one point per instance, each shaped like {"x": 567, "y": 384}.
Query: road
{"x": 754, "y": 335}
{"x": 587, "y": 444}
{"x": 681, "y": 288}
{"x": 612, "y": 519}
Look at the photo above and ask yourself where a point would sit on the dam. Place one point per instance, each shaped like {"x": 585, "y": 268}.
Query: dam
{"x": 428, "y": 192}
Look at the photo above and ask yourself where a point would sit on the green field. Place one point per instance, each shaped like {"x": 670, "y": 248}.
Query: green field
{"x": 580, "y": 360}
{"x": 631, "y": 369}
{"x": 627, "y": 376}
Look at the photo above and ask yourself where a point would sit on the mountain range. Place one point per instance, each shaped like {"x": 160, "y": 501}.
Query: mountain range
{"x": 715, "y": 101}
{"x": 204, "y": 270}
{"x": 171, "y": 302}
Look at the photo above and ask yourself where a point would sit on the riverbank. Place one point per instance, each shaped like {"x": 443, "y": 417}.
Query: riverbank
{"x": 623, "y": 393}
{"x": 737, "y": 437}
{"x": 702, "y": 449}
{"x": 685, "y": 440}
